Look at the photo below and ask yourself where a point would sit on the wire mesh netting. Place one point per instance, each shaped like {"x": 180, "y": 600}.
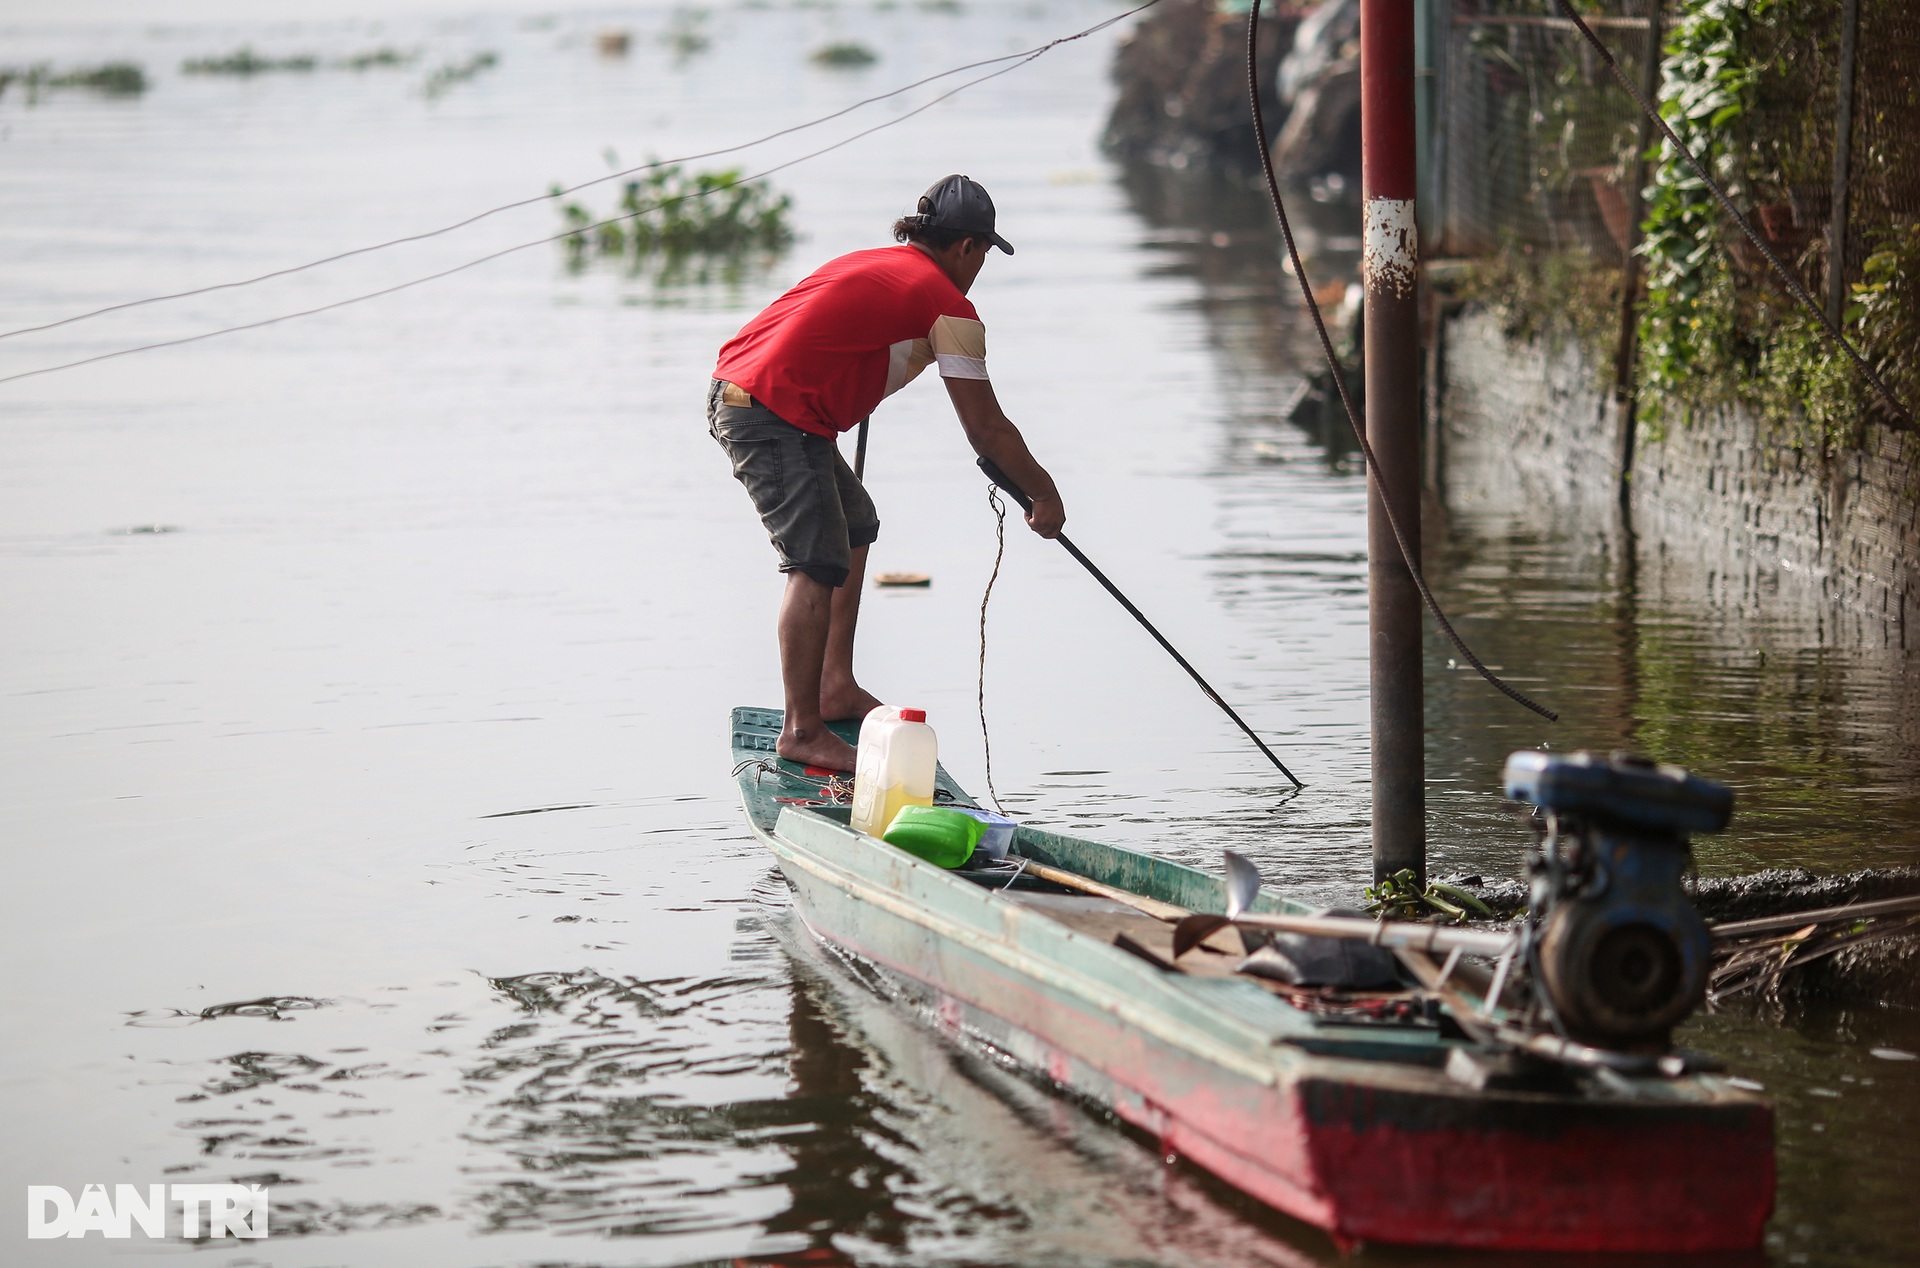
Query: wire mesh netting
{"x": 1535, "y": 141}
{"x": 1536, "y": 144}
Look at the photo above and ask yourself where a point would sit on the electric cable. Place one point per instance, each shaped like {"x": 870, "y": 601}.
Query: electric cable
{"x": 1833, "y": 332}
{"x": 980, "y": 697}
{"x": 581, "y": 229}
{"x": 650, "y": 165}
{"x": 1340, "y": 381}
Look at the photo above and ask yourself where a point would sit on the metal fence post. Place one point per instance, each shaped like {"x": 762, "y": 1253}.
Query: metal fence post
{"x": 1842, "y": 165}
{"x": 1624, "y": 396}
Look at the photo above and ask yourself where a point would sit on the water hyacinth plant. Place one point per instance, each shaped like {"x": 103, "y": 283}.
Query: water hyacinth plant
{"x": 378, "y": 58}
{"x": 845, "y": 56}
{"x": 672, "y": 218}
{"x": 458, "y": 73}
{"x": 114, "y": 79}
{"x": 244, "y": 61}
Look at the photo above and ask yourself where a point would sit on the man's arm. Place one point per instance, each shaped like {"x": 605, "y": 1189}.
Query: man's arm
{"x": 993, "y": 436}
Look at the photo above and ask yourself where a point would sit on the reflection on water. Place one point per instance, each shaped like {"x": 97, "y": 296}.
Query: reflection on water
{"x": 920, "y": 1152}
{"x": 369, "y": 833}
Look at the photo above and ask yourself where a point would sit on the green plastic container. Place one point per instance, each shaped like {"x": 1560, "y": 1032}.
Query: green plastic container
{"x": 935, "y": 833}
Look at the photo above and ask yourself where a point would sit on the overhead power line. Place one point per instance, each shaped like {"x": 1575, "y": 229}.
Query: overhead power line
{"x": 1019, "y": 58}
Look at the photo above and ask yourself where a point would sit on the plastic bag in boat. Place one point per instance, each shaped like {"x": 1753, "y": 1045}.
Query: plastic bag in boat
{"x": 1300, "y": 960}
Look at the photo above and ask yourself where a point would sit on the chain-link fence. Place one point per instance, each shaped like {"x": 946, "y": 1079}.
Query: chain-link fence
{"x": 1535, "y": 144}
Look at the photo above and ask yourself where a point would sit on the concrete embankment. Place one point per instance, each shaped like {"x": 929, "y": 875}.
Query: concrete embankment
{"x": 1737, "y": 513}
{"x": 1790, "y": 541}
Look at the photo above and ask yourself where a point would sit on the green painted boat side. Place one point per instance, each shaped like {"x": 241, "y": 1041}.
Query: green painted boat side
{"x": 753, "y": 734}
{"x": 1355, "y": 1128}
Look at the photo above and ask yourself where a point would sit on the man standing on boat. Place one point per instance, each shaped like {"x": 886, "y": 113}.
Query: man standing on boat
{"x": 814, "y": 364}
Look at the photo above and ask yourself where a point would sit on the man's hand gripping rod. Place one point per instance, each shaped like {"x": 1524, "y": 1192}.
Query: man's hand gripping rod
{"x": 1000, "y": 478}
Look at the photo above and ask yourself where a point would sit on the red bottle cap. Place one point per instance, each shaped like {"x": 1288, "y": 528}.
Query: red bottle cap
{"x": 913, "y": 715}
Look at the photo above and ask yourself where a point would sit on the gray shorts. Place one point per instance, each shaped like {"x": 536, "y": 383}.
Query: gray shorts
{"x": 815, "y": 509}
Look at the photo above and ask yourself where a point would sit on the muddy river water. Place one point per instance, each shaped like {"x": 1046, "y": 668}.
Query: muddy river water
{"x": 368, "y": 824}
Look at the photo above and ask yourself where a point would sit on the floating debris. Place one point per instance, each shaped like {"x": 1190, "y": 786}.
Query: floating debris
{"x": 1755, "y": 956}
{"x": 613, "y": 43}
{"x": 903, "y": 580}
{"x": 1402, "y": 897}
{"x": 846, "y": 55}
{"x": 542, "y": 810}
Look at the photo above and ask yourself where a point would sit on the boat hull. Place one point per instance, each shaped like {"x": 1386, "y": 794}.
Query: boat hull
{"x": 1335, "y": 1149}
{"x": 1352, "y": 1128}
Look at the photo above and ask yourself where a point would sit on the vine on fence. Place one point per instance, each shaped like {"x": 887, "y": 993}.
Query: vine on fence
{"x": 1749, "y": 85}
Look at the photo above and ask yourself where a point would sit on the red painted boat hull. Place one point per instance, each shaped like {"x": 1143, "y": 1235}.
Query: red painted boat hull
{"x": 1369, "y": 1154}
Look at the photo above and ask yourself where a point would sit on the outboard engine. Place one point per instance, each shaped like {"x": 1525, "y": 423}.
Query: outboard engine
{"x": 1621, "y": 953}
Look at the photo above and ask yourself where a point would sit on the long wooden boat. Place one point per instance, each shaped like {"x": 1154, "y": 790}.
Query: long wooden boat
{"x": 1352, "y": 1114}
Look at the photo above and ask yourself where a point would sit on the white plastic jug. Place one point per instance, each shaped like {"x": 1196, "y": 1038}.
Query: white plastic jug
{"x": 894, "y": 768}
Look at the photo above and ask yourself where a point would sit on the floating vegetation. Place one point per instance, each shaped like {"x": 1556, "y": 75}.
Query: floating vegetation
{"x": 244, "y": 61}
{"x": 1401, "y": 897}
{"x": 686, "y": 33}
{"x": 458, "y": 73}
{"x": 378, "y": 58}
{"x": 114, "y": 79}
{"x": 845, "y": 55}
{"x": 684, "y": 224}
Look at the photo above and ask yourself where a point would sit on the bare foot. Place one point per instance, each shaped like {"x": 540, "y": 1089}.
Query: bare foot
{"x": 810, "y": 747}
{"x": 849, "y": 703}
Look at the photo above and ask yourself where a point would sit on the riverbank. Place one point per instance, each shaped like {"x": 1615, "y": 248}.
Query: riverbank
{"x": 1750, "y": 516}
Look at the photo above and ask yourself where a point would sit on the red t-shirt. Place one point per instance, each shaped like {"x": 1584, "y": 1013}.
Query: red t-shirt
{"x": 855, "y": 332}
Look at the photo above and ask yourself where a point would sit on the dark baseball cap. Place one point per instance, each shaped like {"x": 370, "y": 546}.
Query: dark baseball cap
{"x": 961, "y": 203}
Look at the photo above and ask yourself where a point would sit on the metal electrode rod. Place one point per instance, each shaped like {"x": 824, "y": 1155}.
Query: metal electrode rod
{"x": 1390, "y": 270}
{"x": 1000, "y": 478}
{"x": 1410, "y": 934}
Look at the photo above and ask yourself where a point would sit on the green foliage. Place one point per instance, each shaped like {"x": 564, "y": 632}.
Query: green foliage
{"x": 244, "y": 61}
{"x": 673, "y": 219}
{"x": 1710, "y": 79}
{"x": 1742, "y": 80}
{"x": 1550, "y": 296}
{"x": 846, "y": 55}
{"x": 114, "y": 79}
{"x": 1885, "y": 313}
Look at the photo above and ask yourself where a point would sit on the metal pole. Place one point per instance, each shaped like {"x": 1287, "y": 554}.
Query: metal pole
{"x": 1390, "y": 268}
{"x": 1624, "y": 395}
{"x": 1842, "y": 165}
